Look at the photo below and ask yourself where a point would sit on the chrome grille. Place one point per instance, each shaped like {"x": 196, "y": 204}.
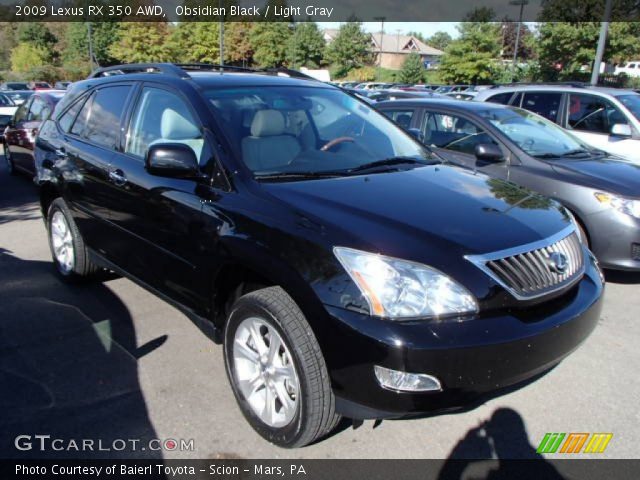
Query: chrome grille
{"x": 536, "y": 269}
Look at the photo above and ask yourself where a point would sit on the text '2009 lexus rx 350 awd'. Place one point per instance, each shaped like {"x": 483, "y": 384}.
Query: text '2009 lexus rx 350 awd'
{"x": 347, "y": 271}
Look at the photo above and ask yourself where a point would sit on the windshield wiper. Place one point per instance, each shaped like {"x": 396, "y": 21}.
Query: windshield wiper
{"x": 299, "y": 175}
{"x": 570, "y": 153}
{"x": 577, "y": 151}
{"x": 390, "y": 162}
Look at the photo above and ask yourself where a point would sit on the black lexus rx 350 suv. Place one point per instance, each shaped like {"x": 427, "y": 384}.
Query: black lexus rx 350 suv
{"x": 346, "y": 270}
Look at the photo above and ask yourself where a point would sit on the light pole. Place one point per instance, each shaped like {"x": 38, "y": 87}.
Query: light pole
{"x": 604, "y": 28}
{"x": 522, "y": 3}
{"x": 381, "y": 20}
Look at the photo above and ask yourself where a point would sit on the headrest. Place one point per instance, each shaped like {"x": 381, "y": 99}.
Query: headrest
{"x": 267, "y": 123}
{"x": 174, "y": 126}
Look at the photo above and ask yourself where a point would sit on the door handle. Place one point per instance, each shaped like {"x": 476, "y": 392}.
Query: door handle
{"x": 118, "y": 177}
{"x": 61, "y": 153}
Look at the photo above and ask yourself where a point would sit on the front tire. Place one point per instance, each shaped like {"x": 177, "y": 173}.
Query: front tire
{"x": 276, "y": 369}
{"x": 68, "y": 249}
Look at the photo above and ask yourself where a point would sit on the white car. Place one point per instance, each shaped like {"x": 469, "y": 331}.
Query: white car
{"x": 7, "y": 109}
{"x": 631, "y": 68}
{"x": 605, "y": 118}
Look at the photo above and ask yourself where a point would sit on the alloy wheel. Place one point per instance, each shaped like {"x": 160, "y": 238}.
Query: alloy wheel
{"x": 265, "y": 373}
{"x": 62, "y": 242}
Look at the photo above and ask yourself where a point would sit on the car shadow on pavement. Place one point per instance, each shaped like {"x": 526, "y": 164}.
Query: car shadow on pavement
{"x": 68, "y": 369}
{"x": 492, "y": 451}
{"x": 18, "y": 200}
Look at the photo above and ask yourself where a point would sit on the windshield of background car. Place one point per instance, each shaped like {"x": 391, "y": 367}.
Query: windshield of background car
{"x": 299, "y": 129}
{"x": 532, "y": 133}
{"x": 632, "y": 102}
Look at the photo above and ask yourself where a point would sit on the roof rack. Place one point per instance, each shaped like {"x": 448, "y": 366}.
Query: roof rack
{"x": 212, "y": 66}
{"x": 560, "y": 84}
{"x": 180, "y": 70}
{"x": 168, "y": 68}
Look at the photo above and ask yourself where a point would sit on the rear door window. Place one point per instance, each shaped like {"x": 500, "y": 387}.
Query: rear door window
{"x": 402, "y": 117}
{"x": 99, "y": 119}
{"x": 545, "y": 104}
{"x": 66, "y": 120}
{"x": 37, "y": 110}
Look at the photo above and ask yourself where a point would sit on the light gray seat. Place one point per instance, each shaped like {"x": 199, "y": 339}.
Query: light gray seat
{"x": 175, "y": 128}
{"x": 268, "y": 148}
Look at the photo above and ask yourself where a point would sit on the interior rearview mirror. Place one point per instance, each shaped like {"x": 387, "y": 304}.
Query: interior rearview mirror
{"x": 488, "y": 152}
{"x": 621, "y": 130}
{"x": 172, "y": 160}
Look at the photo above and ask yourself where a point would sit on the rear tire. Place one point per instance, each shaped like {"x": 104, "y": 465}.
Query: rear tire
{"x": 68, "y": 250}
{"x": 266, "y": 321}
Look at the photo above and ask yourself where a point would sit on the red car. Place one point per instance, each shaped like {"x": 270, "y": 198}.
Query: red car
{"x": 20, "y": 133}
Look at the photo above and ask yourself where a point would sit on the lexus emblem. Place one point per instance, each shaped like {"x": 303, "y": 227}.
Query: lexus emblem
{"x": 558, "y": 262}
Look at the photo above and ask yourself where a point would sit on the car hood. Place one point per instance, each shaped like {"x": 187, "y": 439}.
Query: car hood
{"x": 609, "y": 174}
{"x": 427, "y": 208}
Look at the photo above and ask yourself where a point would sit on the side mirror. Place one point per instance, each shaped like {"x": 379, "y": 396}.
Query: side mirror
{"x": 171, "y": 160}
{"x": 621, "y": 130}
{"x": 488, "y": 152}
{"x": 417, "y": 134}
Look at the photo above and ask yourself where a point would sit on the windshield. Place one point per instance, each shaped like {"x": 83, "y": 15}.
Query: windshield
{"x": 289, "y": 130}
{"x": 532, "y": 133}
{"x": 632, "y": 102}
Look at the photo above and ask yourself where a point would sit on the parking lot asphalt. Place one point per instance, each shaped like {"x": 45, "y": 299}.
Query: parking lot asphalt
{"x": 110, "y": 361}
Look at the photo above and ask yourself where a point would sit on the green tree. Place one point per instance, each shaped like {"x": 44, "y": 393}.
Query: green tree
{"x": 439, "y": 40}
{"x": 103, "y": 35}
{"x": 238, "y": 49}
{"x": 26, "y": 56}
{"x": 526, "y": 42}
{"x": 565, "y": 48}
{"x": 36, "y": 33}
{"x": 350, "y": 48}
{"x": 269, "y": 42}
{"x": 306, "y": 46}
{"x": 473, "y": 56}
{"x": 8, "y": 42}
{"x": 141, "y": 42}
{"x": 412, "y": 69}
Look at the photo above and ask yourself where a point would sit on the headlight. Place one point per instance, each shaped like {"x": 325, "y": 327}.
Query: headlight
{"x": 401, "y": 289}
{"x": 624, "y": 205}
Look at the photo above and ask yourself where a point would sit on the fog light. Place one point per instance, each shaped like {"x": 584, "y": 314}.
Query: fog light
{"x": 406, "y": 382}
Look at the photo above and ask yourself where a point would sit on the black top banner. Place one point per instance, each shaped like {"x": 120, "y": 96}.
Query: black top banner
{"x": 317, "y": 10}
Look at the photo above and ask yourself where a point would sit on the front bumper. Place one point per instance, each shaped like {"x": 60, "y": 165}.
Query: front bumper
{"x": 472, "y": 358}
{"x": 613, "y": 235}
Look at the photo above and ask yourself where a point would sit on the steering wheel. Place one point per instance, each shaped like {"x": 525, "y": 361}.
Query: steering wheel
{"x": 335, "y": 142}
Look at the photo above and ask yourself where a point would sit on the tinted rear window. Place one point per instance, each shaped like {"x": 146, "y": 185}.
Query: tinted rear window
{"x": 99, "y": 119}
{"x": 543, "y": 103}
{"x": 502, "y": 98}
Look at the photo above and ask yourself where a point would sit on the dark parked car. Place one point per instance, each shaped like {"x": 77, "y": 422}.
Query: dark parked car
{"x": 345, "y": 268}
{"x": 601, "y": 190}
{"x": 18, "y": 96}
{"x": 15, "y": 86}
{"x": 21, "y": 130}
